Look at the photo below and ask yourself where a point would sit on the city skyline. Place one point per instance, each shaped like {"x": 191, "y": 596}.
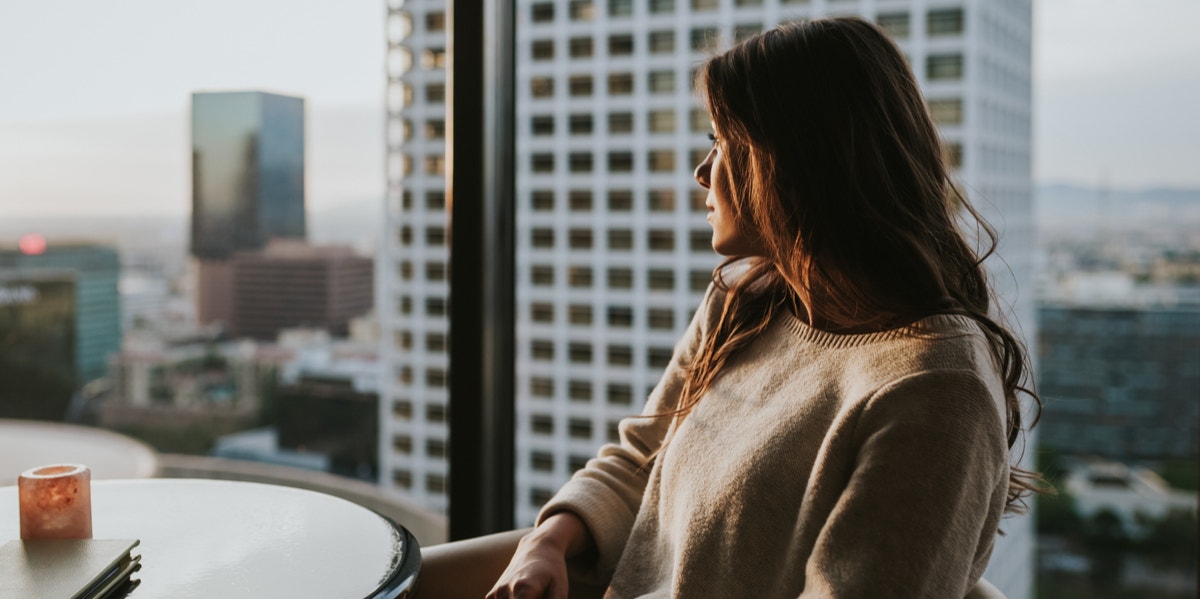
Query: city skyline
{"x": 1107, "y": 113}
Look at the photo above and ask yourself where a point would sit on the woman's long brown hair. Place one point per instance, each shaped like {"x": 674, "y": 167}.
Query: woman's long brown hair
{"x": 834, "y": 162}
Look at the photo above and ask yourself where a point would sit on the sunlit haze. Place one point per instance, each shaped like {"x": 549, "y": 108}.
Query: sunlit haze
{"x": 93, "y": 113}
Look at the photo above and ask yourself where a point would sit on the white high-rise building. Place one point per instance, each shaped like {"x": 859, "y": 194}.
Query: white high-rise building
{"x": 613, "y": 249}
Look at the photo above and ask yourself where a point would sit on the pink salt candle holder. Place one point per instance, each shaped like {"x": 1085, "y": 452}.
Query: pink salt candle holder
{"x": 56, "y": 502}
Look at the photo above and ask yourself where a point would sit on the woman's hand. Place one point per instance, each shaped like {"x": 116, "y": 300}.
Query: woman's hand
{"x": 538, "y": 569}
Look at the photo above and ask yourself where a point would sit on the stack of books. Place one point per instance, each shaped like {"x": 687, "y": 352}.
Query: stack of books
{"x": 68, "y": 569}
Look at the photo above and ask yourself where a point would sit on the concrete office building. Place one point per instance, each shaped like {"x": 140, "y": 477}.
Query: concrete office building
{"x": 292, "y": 284}
{"x": 247, "y": 185}
{"x": 613, "y": 249}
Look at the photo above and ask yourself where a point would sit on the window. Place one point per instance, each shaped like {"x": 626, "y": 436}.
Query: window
{"x": 660, "y": 318}
{"x": 580, "y": 200}
{"x": 942, "y": 67}
{"x": 542, "y": 163}
{"x": 580, "y": 239}
{"x": 435, "y": 236}
{"x": 580, "y": 85}
{"x": 435, "y": 21}
{"x": 436, "y": 377}
{"x": 620, "y": 316}
{"x": 435, "y": 306}
{"x": 542, "y": 238}
{"x": 661, "y": 200}
{"x": 620, "y": 45}
{"x": 405, "y": 306}
{"x": 541, "y": 275}
{"x": 433, "y": 58}
{"x": 620, "y": 278}
{"x": 700, "y": 121}
{"x": 406, "y": 235}
{"x": 620, "y": 355}
{"x": 946, "y": 21}
{"x": 661, "y": 6}
{"x": 435, "y": 342}
{"x": 580, "y": 47}
{"x": 620, "y": 122}
{"x": 620, "y": 239}
{"x": 620, "y": 8}
{"x": 402, "y": 478}
{"x": 947, "y": 111}
{"x": 435, "y": 413}
{"x": 435, "y": 271}
{"x": 580, "y": 162}
{"x": 435, "y": 200}
{"x": 435, "y": 129}
{"x": 541, "y": 312}
{"x": 894, "y": 24}
{"x": 542, "y": 387}
{"x": 579, "y": 276}
{"x": 580, "y": 314}
{"x": 697, "y": 155}
{"x": 436, "y": 483}
{"x": 578, "y": 428}
{"x": 542, "y": 49}
{"x": 620, "y": 84}
{"x": 435, "y": 93}
{"x": 661, "y": 279}
{"x": 542, "y": 125}
{"x": 613, "y": 432}
{"x": 661, "y": 121}
{"x": 542, "y": 461}
{"x": 746, "y": 31}
{"x": 541, "y": 87}
{"x": 576, "y": 463}
{"x": 661, "y": 240}
{"x": 579, "y": 353}
{"x": 542, "y": 349}
{"x": 661, "y": 161}
{"x": 658, "y": 357}
{"x": 542, "y": 200}
{"x": 705, "y": 39}
{"x": 579, "y": 390}
{"x": 701, "y": 241}
{"x": 435, "y": 164}
{"x": 705, "y": 4}
{"x": 620, "y": 200}
{"x": 620, "y": 162}
{"x": 435, "y": 448}
{"x": 539, "y": 496}
{"x": 582, "y": 10}
{"x": 748, "y": 2}
{"x": 661, "y": 82}
{"x": 620, "y": 394}
{"x": 541, "y": 423}
{"x": 662, "y": 42}
{"x": 543, "y": 12}
{"x": 402, "y": 409}
{"x": 406, "y": 270}
{"x": 580, "y": 124}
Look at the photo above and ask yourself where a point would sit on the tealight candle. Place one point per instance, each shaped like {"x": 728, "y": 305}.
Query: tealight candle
{"x": 56, "y": 502}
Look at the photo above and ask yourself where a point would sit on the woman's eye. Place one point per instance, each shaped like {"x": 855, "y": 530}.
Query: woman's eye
{"x": 713, "y": 138}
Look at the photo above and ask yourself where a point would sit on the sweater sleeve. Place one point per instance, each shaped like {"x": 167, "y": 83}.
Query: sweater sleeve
{"x": 607, "y": 493}
{"x": 924, "y": 495}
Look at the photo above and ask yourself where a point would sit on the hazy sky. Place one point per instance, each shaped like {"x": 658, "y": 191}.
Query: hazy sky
{"x": 94, "y": 95}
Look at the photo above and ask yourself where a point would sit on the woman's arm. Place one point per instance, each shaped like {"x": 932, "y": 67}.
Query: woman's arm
{"x": 539, "y": 567}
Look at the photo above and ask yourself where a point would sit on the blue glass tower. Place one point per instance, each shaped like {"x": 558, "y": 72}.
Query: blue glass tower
{"x": 96, "y": 270}
{"x": 247, "y": 171}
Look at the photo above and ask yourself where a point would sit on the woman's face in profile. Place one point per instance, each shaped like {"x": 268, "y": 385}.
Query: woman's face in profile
{"x": 729, "y": 234}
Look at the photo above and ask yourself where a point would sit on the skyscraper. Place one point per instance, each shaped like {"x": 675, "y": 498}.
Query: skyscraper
{"x": 613, "y": 249}
{"x": 247, "y": 183}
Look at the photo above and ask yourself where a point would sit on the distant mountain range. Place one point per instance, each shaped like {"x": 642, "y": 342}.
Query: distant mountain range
{"x": 1060, "y": 207}
{"x": 1057, "y": 207}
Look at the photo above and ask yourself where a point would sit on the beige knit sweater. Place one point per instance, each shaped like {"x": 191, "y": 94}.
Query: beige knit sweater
{"x": 818, "y": 465}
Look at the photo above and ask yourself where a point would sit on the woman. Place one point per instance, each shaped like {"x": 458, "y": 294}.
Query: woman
{"x": 837, "y": 420}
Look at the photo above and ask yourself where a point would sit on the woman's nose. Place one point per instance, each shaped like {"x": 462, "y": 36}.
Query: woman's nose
{"x": 703, "y": 172}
